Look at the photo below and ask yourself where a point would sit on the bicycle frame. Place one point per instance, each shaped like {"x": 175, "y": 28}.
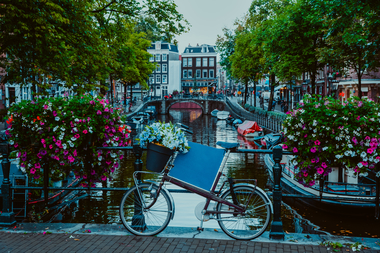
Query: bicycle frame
{"x": 209, "y": 195}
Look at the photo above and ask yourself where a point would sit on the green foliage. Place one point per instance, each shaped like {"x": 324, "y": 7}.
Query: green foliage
{"x": 80, "y": 42}
{"x": 246, "y": 106}
{"x": 251, "y": 108}
{"x": 350, "y": 138}
{"x": 277, "y": 115}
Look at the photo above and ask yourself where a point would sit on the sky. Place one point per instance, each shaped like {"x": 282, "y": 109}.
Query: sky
{"x": 208, "y": 18}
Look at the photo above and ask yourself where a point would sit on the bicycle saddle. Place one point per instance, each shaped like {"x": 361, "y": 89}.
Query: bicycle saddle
{"x": 228, "y": 145}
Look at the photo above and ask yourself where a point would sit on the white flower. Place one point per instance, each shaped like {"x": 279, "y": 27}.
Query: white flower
{"x": 350, "y": 146}
{"x": 378, "y": 174}
{"x": 64, "y": 146}
{"x": 100, "y": 158}
{"x": 363, "y": 154}
{"x": 73, "y": 138}
{"x": 99, "y": 163}
{"x": 11, "y": 142}
{"x": 295, "y": 162}
{"x": 56, "y": 118}
{"x": 360, "y": 165}
{"x": 325, "y": 148}
{"x": 71, "y": 144}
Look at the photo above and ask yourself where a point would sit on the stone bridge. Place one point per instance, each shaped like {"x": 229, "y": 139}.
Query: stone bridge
{"x": 207, "y": 105}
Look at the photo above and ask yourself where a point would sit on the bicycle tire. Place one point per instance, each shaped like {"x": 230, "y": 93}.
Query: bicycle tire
{"x": 140, "y": 221}
{"x": 257, "y": 215}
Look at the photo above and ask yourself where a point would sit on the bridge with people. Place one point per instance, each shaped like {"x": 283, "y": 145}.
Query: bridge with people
{"x": 206, "y": 104}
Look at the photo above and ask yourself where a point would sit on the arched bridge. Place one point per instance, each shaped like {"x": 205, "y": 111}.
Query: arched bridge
{"x": 207, "y": 105}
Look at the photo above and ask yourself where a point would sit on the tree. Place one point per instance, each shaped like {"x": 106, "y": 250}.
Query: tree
{"x": 226, "y": 47}
{"x": 246, "y": 60}
{"x": 71, "y": 40}
{"x": 352, "y": 35}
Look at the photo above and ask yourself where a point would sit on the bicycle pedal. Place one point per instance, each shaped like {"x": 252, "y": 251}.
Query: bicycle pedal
{"x": 200, "y": 229}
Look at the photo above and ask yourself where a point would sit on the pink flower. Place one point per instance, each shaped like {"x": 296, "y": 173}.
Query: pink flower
{"x": 77, "y": 136}
{"x": 108, "y": 162}
{"x": 295, "y": 150}
{"x": 85, "y": 131}
{"x": 50, "y": 146}
{"x": 93, "y": 172}
{"x": 284, "y": 146}
{"x": 305, "y": 136}
{"x": 317, "y": 142}
{"x": 305, "y": 174}
{"x": 32, "y": 170}
{"x": 313, "y": 160}
{"x": 65, "y": 152}
{"x": 16, "y": 145}
{"x": 313, "y": 150}
{"x": 370, "y": 151}
{"x": 44, "y": 232}
{"x": 84, "y": 176}
{"x": 358, "y": 118}
{"x": 46, "y": 106}
{"x": 58, "y": 143}
{"x": 75, "y": 152}
{"x": 312, "y": 183}
{"x": 61, "y": 163}
{"x": 320, "y": 171}
{"x": 103, "y": 178}
{"x": 324, "y": 165}
{"x": 54, "y": 113}
{"x": 71, "y": 159}
{"x": 42, "y": 123}
{"x": 43, "y": 141}
{"x": 99, "y": 112}
{"x": 106, "y": 127}
{"x": 37, "y": 165}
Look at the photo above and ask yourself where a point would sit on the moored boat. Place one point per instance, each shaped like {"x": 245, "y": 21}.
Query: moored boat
{"x": 222, "y": 115}
{"x": 249, "y": 129}
{"x": 214, "y": 112}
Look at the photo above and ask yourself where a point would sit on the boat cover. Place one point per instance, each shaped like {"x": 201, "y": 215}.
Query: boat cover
{"x": 248, "y": 127}
{"x": 199, "y": 166}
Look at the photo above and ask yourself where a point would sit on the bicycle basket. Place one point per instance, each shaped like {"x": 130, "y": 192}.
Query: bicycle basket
{"x": 157, "y": 157}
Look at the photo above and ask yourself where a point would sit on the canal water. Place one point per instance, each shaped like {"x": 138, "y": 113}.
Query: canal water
{"x": 103, "y": 207}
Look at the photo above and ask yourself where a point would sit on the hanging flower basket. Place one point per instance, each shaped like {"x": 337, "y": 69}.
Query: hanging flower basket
{"x": 157, "y": 157}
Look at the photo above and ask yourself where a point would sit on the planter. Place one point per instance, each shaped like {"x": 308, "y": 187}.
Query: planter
{"x": 157, "y": 157}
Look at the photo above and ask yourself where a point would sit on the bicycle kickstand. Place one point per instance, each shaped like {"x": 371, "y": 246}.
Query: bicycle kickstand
{"x": 200, "y": 228}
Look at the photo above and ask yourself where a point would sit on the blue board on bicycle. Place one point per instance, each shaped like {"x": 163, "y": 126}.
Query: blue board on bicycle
{"x": 199, "y": 166}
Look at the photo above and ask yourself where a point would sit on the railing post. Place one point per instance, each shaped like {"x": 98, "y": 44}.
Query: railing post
{"x": 276, "y": 231}
{"x": 377, "y": 211}
{"x": 7, "y": 217}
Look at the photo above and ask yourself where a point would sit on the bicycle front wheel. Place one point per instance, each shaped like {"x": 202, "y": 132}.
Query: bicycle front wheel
{"x": 139, "y": 220}
{"x": 250, "y": 224}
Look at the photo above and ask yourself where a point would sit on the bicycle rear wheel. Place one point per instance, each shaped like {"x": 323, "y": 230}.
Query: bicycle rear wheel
{"x": 253, "y": 222}
{"x": 141, "y": 221}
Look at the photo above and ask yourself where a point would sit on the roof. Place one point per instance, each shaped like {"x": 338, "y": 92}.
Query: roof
{"x": 198, "y": 49}
{"x": 165, "y": 46}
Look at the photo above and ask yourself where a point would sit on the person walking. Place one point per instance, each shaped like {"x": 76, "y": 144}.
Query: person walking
{"x": 262, "y": 102}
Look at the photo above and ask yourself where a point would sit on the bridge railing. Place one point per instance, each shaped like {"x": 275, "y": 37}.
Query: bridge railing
{"x": 265, "y": 120}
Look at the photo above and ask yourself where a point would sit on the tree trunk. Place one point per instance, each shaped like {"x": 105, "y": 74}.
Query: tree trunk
{"x": 246, "y": 92}
{"x": 273, "y": 81}
{"x": 254, "y": 94}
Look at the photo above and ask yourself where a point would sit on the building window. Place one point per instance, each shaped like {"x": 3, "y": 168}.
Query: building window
{"x": 198, "y": 62}
{"x": 212, "y": 62}
{"x": 151, "y": 58}
{"x": 158, "y": 68}
{"x": 158, "y": 57}
{"x": 151, "y": 79}
{"x": 158, "y": 78}
{"x": 185, "y": 62}
{"x": 198, "y": 73}
{"x": 190, "y": 62}
{"x": 204, "y": 62}
{"x": 164, "y": 78}
{"x": 165, "y": 90}
{"x": 190, "y": 73}
{"x": 211, "y": 74}
{"x": 204, "y": 73}
{"x": 185, "y": 74}
{"x": 164, "y": 57}
{"x": 164, "y": 68}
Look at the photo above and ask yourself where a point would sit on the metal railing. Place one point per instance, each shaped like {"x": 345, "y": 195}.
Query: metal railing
{"x": 7, "y": 218}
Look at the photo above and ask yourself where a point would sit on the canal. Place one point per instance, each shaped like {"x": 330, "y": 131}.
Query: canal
{"x": 102, "y": 207}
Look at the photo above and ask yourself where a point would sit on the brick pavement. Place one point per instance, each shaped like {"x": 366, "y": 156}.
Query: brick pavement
{"x": 62, "y": 243}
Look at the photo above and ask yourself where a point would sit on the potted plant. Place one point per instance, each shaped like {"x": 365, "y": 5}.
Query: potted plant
{"x": 162, "y": 139}
{"x": 62, "y": 134}
{"x": 326, "y": 133}
{"x": 175, "y": 92}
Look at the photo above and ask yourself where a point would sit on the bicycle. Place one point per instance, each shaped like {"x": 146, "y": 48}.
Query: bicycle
{"x": 243, "y": 210}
